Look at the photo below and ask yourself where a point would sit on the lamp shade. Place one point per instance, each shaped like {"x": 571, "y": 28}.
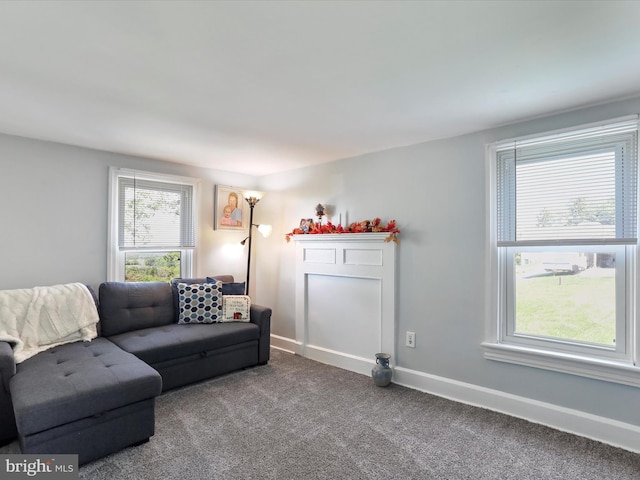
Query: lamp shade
{"x": 265, "y": 230}
{"x": 252, "y": 194}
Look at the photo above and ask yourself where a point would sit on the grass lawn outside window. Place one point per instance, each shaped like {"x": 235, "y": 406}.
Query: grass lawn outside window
{"x": 577, "y": 306}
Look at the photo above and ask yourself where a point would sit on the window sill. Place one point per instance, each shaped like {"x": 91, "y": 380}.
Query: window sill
{"x": 600, "y": 369}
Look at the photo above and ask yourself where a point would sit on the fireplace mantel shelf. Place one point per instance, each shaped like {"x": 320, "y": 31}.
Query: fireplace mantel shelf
{"x": 345, "y": 237}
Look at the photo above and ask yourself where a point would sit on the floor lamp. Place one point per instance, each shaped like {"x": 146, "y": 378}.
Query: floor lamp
{"x": 252, "y": 199}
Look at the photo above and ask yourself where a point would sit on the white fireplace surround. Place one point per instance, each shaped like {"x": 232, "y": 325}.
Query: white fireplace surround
{"x": 345, "y": 298}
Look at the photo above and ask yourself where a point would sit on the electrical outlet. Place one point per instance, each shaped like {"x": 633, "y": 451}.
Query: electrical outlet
{"x": 411, "y": 340}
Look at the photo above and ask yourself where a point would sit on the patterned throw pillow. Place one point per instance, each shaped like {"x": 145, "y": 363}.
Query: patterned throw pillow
{"x": 235, "y": 308}
{"x": 200, "y": 302}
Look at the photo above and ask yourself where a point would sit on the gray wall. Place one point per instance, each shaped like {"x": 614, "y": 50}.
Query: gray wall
{"x": 436, "y": 192}
{"x": 53, "y": 220}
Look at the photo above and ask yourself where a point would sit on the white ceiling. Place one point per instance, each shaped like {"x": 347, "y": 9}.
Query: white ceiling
{"x": 267, "y": 86}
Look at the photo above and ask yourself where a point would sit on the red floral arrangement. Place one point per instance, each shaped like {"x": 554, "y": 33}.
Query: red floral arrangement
{"x": 366, "y": 226}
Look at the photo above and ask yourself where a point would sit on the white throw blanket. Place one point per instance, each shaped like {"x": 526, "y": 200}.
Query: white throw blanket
{"x": 39, "y": 318}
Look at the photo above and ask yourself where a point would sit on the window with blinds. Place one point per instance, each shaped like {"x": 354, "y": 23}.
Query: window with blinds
{"x": 569, "y": 188}
{"x": 152, "y": 226}
{"x": 154, "y": 215}
{"x": 563, "y": 249}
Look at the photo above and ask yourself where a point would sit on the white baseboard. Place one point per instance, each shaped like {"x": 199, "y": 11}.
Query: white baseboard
{"x": 352, "y": 363}
{"x": 285, "y": 344}
{"x": 323, "y": 355}
{"x": 602, "y": 429}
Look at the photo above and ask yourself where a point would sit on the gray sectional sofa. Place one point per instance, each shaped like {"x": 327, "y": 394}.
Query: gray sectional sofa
{"x": 94, "y": 398}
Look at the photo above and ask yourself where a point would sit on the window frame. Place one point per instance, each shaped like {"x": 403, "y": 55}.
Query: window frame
{"x": 619, "y": 365}
{"x": 115, "y": 254}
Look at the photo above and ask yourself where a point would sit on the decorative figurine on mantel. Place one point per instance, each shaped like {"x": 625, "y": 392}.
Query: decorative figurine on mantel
{"x": 320, "y": 213}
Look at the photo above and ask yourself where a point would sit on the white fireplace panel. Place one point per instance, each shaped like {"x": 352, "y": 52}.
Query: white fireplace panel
{"x": 344, "y": 314}
{"x": 320, "y": 255}
{"x": 362, "y": 257}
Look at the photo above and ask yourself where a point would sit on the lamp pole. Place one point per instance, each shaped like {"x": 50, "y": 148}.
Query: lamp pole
{"x": 252, "y": 201}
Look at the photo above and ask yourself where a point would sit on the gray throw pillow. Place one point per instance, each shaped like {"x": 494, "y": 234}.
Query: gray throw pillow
{"x": 230, "y": 288}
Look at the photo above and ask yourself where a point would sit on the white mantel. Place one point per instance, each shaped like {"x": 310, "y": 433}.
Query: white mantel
{"x": 345, "y": 298}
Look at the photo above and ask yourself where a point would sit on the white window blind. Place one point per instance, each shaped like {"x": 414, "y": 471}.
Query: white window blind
{"x": 154, "y": 215}
{"x": 570, "y": 188}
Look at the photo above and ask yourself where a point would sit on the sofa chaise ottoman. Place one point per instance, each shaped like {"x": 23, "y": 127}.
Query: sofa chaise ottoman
{"x": 86, "y": 398}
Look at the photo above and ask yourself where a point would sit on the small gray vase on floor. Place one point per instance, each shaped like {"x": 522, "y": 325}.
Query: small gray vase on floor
{"x": 381, "y": 372}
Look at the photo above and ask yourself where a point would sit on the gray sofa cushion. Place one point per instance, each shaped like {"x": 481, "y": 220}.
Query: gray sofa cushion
{"x": 7, "y": 366}
{"x": 7, "y": 370}
{"x": 78, "y": 380}
{"x": 155, "y": 345}
{"x": 131, "y": 306}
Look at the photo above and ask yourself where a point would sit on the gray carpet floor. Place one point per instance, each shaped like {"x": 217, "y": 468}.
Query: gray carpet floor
{"x": 298, "y": 419}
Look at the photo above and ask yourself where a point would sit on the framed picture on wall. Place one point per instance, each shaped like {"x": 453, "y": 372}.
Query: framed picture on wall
{"x": 229, "y": 209}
